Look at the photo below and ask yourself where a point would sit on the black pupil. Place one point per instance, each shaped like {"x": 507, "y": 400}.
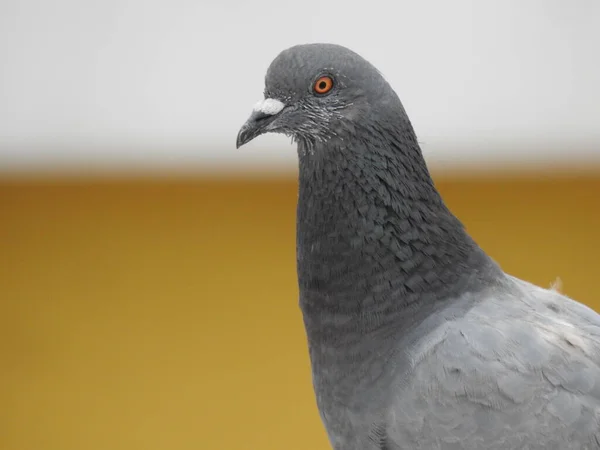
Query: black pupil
{"x": 322, "y": 85}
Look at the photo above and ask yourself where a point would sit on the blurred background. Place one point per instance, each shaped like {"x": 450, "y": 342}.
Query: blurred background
{"x": 148, "y": 295}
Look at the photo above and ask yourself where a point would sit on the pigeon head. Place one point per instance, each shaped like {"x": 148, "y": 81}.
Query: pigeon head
{"x": 316, "y": 92}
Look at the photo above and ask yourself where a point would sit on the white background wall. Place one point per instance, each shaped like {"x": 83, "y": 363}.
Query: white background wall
{"x": 167, "y": 83}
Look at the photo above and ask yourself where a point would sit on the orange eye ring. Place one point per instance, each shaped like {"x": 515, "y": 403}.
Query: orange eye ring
{"x": 323, "y": 85}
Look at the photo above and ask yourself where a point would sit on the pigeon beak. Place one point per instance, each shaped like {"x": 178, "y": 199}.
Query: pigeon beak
{"x": 263, "y": 115}
{"x": 253, "y": 127}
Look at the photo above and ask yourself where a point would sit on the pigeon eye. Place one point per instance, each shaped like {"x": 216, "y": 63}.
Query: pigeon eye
{"x": 323, "y": 85}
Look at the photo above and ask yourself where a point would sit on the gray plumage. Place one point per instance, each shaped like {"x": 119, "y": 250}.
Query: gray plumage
{"x": 417, "y": 338}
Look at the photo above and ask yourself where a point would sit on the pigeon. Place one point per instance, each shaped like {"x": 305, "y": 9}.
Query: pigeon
{"x": 417, "y": 338}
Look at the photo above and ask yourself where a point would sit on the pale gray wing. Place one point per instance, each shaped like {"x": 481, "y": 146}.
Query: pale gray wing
{"x": 520, "y": 370}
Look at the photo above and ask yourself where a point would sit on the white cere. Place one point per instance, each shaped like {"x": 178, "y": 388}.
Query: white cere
{"x": 269, "y": 106}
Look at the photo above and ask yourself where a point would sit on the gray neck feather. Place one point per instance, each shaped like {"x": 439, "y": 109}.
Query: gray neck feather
{"x": 376, "y": 246}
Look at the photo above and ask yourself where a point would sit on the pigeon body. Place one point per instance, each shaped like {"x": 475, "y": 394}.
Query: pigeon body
{"x": 417, "y": 338}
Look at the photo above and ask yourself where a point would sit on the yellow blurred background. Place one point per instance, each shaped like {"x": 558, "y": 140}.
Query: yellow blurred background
{"x": 154, "y": 313}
